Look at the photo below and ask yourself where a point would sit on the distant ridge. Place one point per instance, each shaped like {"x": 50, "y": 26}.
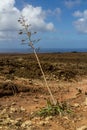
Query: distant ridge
{"x": 43, "y": 50}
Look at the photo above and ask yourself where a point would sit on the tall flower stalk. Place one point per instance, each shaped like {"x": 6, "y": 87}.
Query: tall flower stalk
{"x": 26, "y": 30}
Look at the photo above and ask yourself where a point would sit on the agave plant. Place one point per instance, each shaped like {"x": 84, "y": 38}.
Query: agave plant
{"x": 30, "y": 42}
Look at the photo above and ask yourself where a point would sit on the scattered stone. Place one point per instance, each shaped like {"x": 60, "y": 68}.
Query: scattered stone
{"x": 79, "y": 91}
{"x": 7, "y": 121}
{"x": 85, "y": 102}
{"x": 36, "y": 119}
{"x": 36, "y": 84}
{"x": 22, "y": 109}
{"x": 48, "y": 118}
{"x": 35, "y": 100}
{"x": 12, "y": 110}
{"x": 82, "y": 128}
{"x": 42, "y": 123}
{"x": 30, "y": 81}
{"x": 14, "y": 103}
{"x": 76, "y": 105}
{"x": 0, "y": 127}
{"x": 27, "y": 123}
{"x": 19, "y": 119}
{"x": 18, "y": 122}
{"x": 79, "y": 119}
{"x": 3, "y": 112}
{"x": 66, "y": 118}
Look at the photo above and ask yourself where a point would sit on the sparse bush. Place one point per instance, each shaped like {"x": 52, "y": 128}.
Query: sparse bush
{"x": 8, "y": 88}
{"x": 67, "y": 75}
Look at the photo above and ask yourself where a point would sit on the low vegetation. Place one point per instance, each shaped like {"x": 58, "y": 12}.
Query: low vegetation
{"x": 66, "y": 67}
{"x": 61, "y": 108}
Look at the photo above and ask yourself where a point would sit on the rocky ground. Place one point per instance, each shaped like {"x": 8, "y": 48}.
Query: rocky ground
{"x": 21, "y": 95}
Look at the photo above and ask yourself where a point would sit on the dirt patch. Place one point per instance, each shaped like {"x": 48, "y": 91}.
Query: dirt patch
{"x": 17, "y": 109}
{"x": 22, "y": 91}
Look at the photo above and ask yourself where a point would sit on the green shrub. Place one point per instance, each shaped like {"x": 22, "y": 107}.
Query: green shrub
{"x": 52, "y": 110}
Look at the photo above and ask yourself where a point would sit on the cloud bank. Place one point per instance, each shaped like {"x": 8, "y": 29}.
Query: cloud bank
{"x": 9, "y": 14}
{"x": 81, "y": 22}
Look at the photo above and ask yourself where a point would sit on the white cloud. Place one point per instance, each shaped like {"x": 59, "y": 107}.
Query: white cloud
{"x": 81, "y": 23}
{"x": 72, "y": 3}
{"x": 6, "y": 5}
{"x": 9, "y": 15}
{"x": 56, "y": 12}
{"x": 7, "y": 35}
{"x": 77, "y": 14}
{"x": 8, "y": 19}
{"x": 36, "y": 16}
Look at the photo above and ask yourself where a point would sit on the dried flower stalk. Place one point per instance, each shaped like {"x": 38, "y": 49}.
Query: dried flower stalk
{"x": 22, "y": 21}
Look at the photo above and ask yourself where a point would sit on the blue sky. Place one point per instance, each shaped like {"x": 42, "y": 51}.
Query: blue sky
{"x": 59, "y": 23}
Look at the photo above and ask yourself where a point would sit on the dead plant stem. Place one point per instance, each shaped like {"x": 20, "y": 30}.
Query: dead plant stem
{"x": 53, "y": 100}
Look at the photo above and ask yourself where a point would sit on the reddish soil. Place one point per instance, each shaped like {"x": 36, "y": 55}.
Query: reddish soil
{"x": 31, "y": 94}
